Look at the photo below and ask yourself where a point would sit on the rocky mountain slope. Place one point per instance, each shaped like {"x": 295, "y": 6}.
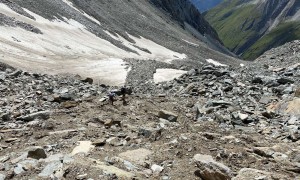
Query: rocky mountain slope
{"x": 94, "y": 38}
{"x": 205, "y": 5}
{"x": 212, "y": 122}
{"x": 251, "y": 27}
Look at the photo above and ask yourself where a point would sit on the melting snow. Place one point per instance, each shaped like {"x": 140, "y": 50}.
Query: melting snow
{"x": 216, "y": 63}
{"x": 162, "y": 75}
{"x": 68, "y": 47}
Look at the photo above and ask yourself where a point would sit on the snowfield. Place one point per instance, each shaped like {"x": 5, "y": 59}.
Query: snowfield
{"x": 162, "y": 75}
{"x": 68, "y": 47}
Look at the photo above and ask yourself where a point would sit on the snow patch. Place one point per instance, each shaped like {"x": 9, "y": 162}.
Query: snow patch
{"x": 162, "y": 75}
{"x": 83, "y": 13}
{"x": 158, "y": 52}
{"x": 68, "y": 47}
{"x": 216, "y": 63}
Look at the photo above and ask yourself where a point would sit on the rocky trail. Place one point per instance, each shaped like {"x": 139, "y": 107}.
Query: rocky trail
{"x": 214, "y": 122}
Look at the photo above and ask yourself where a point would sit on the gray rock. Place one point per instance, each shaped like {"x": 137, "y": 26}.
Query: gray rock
{"x": 37, "y": 153}
{"x": 99, "y": 142}
{"x": 50, "y": 169}
{"x": 5, "y": 116}
{"x": 288, "y": 90}
{"x": 16, "y": 73}
{"x": 44, "y": 115}
{"x": 29, "y": 164}
{"x": 297, "y": 93}
{"x": 294, "y": 135}
{"x": 264, "y": 151}
{"x": 218, "y": 103}
{"x": 88, "y": 80}
{"x": 284, "y": 80}
{"x": 293, "y": 120}
{"x": 81, "y": 176}
{"x": 248, "y": 173}
{"x": 2, "y": 76}
{"x": 243, "y": 116}
{"x": 156, "y": 168}
{"x": 257, "y": 80}
{"x": 2, "y": 177}
{"x": 210, "y": 169}
{"x": 138, "y": 156}
{"x": 18, "y": 169}
{"x": 172, "y": 117}
{"x": 67, "y": 159}
{"x": 55, "y": 157}
{"x": 129, "y": 165}
{"x": 152, "y": 133}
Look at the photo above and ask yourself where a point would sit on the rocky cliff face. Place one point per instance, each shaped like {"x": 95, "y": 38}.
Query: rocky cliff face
{"x": 251, "y": 27}
{"x": 185, "y": 12}
{"x": 188, "y": 15}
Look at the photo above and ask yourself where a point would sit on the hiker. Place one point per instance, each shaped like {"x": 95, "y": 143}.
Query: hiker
{"x": 123, "y": 93}
{"x": 111, "y": 98}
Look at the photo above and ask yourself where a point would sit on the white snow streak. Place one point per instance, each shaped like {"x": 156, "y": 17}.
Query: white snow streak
{"x": 216, "y": 63}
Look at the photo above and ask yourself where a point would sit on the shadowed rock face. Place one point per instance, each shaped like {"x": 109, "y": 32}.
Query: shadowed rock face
{"x": 185, "y": 11}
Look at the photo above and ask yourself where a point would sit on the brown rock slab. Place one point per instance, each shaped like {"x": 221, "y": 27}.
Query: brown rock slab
{"x": 293, "y": 107}
{"x": 69, "y": 104}
{"x": 138, "y": 156}
{"x": 111, "y": 122}
{"x": 99, "y": 142}
{"x": 210, "y": 169}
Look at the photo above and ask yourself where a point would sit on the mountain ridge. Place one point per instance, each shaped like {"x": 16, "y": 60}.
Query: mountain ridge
{"x": 79, "y": 34}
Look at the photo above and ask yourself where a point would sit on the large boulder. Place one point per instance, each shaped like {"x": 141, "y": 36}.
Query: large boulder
{"x": 37, "y": 153}
{"x": 210, "y": 169}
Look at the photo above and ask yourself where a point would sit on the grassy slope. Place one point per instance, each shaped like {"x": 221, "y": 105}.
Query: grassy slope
{"x": 236, "y": 26}
{"x": 233, "y": 25}
{"x": 285, "y": 32}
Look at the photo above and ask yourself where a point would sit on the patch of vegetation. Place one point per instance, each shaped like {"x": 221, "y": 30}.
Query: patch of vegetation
{"x": 235, "y": 26}
{"x": 285, "y": 32}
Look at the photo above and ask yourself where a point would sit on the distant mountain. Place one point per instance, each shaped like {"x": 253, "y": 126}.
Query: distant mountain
{"x": 251, "y": 27}
{"x": 205, "y": 5}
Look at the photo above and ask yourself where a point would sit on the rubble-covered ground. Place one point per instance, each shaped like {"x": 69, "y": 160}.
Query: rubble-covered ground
{"x": 210, "y": 123}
